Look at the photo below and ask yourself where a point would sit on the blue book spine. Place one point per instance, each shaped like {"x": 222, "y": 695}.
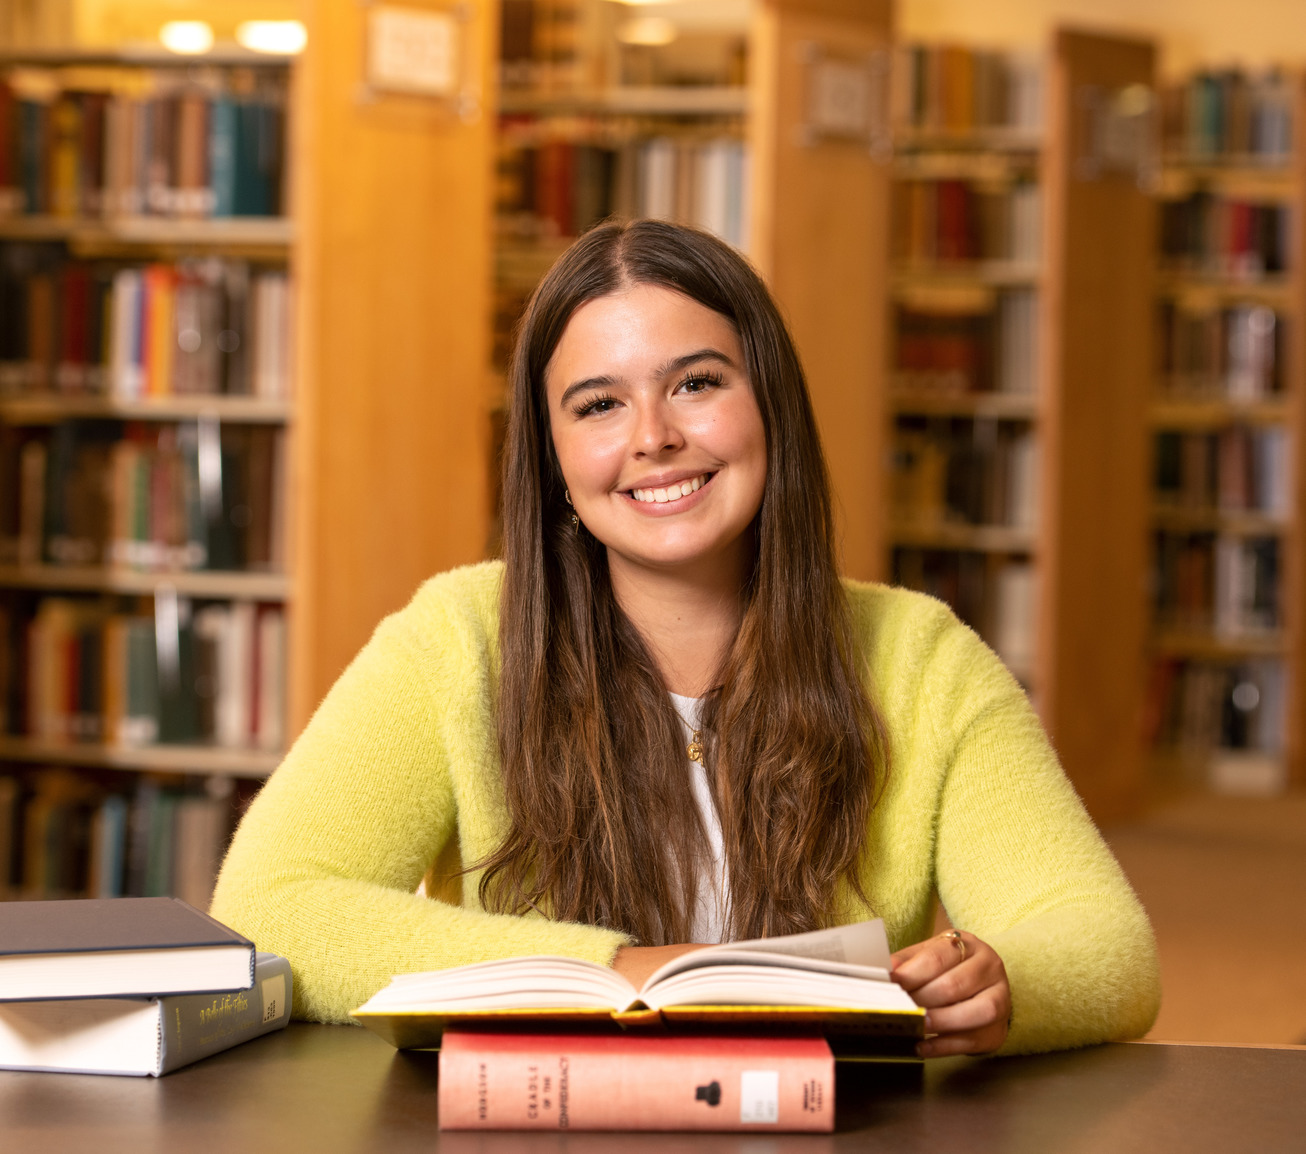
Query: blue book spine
{"x": 222, "y": 155}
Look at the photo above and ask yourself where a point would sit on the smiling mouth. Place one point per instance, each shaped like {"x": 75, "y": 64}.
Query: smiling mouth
{"x": 672, "y": 493}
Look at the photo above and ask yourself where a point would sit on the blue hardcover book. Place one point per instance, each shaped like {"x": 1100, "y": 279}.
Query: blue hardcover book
{"x": 222, "y": 154}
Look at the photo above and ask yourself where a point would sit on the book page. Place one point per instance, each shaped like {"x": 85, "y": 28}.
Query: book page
{"x": 526, "y": 983}
{"x": 860, "y": 950}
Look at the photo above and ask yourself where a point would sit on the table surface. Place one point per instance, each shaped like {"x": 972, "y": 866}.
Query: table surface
{"x": 340, "y": 1088}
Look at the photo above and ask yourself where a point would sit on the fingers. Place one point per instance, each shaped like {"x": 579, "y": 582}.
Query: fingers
{"x": 972, "y": 1042}
{"x": 991, "y": 1005}
{"x": 967, "y": 996}
{"x": 928, "y": 960}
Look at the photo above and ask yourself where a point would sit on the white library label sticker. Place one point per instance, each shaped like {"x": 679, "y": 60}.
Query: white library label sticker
{"x": 274, "y": 997}
{"x": 759, "y": 1096}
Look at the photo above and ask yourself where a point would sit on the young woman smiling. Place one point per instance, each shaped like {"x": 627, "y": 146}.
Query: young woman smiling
{"x": 664, "y": 720}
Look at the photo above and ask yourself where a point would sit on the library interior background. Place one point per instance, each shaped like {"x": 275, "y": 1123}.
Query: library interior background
{"x": 260, "y": 264}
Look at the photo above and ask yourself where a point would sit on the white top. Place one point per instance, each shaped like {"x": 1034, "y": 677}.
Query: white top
{"x": 708, "y": 923}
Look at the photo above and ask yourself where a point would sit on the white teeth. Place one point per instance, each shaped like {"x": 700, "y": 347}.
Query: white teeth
{"x": 671, "y": 493}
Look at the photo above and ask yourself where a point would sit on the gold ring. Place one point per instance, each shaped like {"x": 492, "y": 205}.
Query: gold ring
{"x": 954, "y": 936}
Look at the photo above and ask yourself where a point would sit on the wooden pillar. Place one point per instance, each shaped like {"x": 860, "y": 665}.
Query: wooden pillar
{"x": 820, "y": 237}
{"x": 1097, "y": 316}
{"x": 392, "y": 203}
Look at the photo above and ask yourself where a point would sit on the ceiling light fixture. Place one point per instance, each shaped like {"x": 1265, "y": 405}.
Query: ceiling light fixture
{"x": 186, "y": 37}
{"x": 276, "y": 37}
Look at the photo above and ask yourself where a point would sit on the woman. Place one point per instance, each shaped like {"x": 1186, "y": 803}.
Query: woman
{"x": 664, "y": 720}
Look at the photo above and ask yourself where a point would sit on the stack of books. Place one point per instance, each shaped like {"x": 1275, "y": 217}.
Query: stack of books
{"x": 129, "y": 986}
{"x": 734, "y": 1037}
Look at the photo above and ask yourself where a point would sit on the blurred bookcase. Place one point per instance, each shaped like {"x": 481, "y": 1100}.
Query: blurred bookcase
{"x": 146, "y": 404}
{"x": 1018, "y": 358}
{"x": 204, "y": 510}
{"x": 1227, "y": 650}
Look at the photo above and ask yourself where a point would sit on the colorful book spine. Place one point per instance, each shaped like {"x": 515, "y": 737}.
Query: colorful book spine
{"x": 598, "y": 1082}
{"x": 174, "y": 148}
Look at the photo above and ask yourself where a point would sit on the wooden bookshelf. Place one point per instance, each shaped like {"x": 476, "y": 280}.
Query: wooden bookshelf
{"x": 51, "y": 408}
{"x": 1271, "y": 660}
{"x": 169, "y": 759}
{"x": 385, "y": 437}
{"x": 107, "y": 579}
{"x": 1091, "y": 284}
{"x": 258, "y": 233}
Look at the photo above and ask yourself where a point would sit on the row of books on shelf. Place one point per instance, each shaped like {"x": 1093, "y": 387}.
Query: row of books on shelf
{"x": 1209, "y": 234}
{"x": 552, "y": 185}
{"x": 947, "y": 221}
{"x": 542, "y": 45}
{"x": 1236, "y": 352}
{"x": 954, "y": 90}
{"x": 1239, "y": 469}
{"x": 1229, "y": 113}
{"x": 1197, "y": 707}
{"x": 191, "y": 495}
{"x": 997, "y": 596}
{"x": 964, "y": 472}
{"x": 181, "y": 148}
{"x": 66, "y": 834}
{"x": 943, "y": 349}
{"x": 1217, "y": 583}
{"x": 87, "y": 670}
{"x": 192, "y": 327}
{"x": 559, "y": 48}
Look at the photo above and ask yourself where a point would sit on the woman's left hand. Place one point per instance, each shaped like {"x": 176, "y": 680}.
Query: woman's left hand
{"x": 965, "y": 993}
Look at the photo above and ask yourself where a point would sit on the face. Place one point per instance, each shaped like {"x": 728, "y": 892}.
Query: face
{"x": 657, "y": 431}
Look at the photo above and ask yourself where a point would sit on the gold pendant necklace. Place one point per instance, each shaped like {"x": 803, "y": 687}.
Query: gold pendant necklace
{"x": 695, "y": 747}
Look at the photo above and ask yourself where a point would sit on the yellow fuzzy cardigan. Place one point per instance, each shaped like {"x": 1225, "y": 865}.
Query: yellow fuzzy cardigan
{"x": 397, "y": 778}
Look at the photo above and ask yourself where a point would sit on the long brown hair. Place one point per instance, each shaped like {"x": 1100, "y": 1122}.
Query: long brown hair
{"x": 604, "y": 828}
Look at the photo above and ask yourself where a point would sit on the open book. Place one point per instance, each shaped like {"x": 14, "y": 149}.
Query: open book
{"x": 835, "y": 981}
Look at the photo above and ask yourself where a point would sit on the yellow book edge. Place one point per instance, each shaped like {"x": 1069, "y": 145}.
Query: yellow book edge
{"x": 854, "y": 1034}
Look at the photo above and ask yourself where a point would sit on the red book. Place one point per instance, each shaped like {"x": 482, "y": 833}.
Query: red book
{"x": 635, "y": 1082}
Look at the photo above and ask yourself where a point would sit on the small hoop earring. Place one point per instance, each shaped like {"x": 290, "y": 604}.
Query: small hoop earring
{"x": 575, "y": 521}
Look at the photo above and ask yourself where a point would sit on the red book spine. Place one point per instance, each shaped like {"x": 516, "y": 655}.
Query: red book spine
{"x": 589, "y": 1082}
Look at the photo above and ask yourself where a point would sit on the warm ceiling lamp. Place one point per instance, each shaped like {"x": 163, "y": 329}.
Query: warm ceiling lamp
{"x": 648, "y": 31}
{"x": 277, "y": 37}
{"x": 186, "y": 37}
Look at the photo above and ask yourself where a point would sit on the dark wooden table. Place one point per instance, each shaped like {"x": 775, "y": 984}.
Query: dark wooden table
{"x": 337, "y": 1088}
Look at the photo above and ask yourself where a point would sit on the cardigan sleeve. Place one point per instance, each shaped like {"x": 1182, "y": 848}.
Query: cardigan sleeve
{"x": 324, "y": 867}
{"x": 1019, "y": 863}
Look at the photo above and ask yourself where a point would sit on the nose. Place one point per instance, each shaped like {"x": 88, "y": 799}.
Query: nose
{"x": 656, "y": 430}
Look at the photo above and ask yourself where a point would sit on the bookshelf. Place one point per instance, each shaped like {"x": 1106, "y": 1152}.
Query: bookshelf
{"x": 713, "y": 130}
{"x": 1018, "y": 360}
{"x": 117, "y": 395}
{"x": 1226, "y": 643}
{"x": 376, "y": 420}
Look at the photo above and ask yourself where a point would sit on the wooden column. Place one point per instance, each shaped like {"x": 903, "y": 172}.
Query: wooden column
{"x": 392, "y": 203}
{"x": 820, "y": 237}
{"x": 1095, "y": 381}
{"x": 1292, "y": 587}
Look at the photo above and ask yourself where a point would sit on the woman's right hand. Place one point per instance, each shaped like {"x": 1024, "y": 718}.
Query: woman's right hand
{"x": 636, "y": 963}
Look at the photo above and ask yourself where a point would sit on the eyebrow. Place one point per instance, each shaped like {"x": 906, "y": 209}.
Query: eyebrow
{"x": 674, "y": 365}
